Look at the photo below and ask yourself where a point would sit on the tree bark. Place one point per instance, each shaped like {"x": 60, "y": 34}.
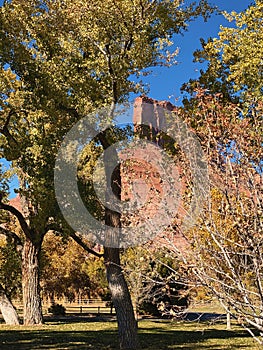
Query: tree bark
{"x": 31, "y": 284}
{"x": 127, "y": 325}
{"x": 7, "y": 309}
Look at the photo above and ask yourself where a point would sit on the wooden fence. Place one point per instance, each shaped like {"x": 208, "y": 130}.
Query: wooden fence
{"x": 81, "y": 306}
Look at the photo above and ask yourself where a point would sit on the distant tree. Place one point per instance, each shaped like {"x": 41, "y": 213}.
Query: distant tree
{"x": 70, "y": 272}
{"x": 10, "y": 266}
{"x": 95, "y": 269}
{"x": 63, "y": 269}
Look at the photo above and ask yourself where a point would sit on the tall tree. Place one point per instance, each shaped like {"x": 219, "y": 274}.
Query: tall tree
{"x": 59, "y": 61}
{"x": 224, "y": 251}
{"x": 225, "y": 248}
{"x": 225, "y": 109}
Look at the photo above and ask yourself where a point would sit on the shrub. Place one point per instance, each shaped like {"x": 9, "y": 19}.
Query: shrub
{"x": 57, "y": 310}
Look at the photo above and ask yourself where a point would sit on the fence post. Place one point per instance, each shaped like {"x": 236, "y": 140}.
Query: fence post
{"x": 228, "y": 321}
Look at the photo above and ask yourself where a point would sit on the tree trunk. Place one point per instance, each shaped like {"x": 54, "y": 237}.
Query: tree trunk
{"x": 127, "y": 325}
{"x": 30, "y": 283}
{"x": 7, "y": 309}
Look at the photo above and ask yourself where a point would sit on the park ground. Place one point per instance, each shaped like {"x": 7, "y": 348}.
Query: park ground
{"x": 94, "y": 334}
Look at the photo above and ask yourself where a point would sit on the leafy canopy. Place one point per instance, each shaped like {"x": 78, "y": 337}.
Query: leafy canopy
{"x": 59, "y": 60}
{"x": 235, "y": 57}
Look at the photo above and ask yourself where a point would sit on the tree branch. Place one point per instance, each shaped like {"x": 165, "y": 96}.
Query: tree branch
{"x": 18, "y": 215}
{"x": 85, "y": 246}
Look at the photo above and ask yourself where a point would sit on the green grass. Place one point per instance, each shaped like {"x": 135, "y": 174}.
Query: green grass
{"x": 153, "y": 335}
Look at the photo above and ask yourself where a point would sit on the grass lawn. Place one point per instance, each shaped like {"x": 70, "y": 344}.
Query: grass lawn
{"x": 153, "y": 335}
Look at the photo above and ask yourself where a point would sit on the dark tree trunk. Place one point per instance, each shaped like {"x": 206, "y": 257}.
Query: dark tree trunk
{"x": 30, "y": 283}
{"x": 7, "y": 309}
{"x": 127, "y": 325}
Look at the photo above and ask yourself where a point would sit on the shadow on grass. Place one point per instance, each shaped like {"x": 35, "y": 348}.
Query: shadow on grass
{"x": 79, "y": 318}
{"x": 154, "y": 337}
{"x": 191, "y": 340}
{"x": 47, "y": 339}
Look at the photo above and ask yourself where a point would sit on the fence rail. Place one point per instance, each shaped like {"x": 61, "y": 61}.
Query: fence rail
{"x": 89, "y": 309}
{"x": 83, "y": 301}
{"x": 83, "y": 306}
